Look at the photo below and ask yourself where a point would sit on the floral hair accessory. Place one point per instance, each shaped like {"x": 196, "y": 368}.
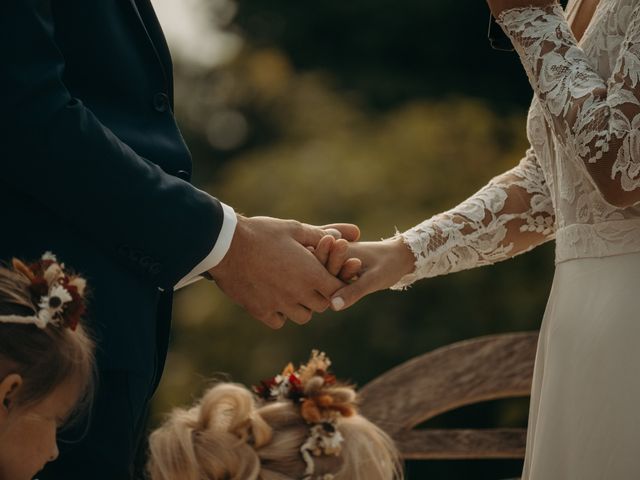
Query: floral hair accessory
{"x": 59, "y": 295}
{"x": 322, "y": 403}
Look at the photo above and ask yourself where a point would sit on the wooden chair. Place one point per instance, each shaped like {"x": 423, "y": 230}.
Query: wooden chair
{"x": 463, "y": 373}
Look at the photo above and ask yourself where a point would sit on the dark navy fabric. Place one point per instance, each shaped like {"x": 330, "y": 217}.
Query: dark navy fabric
{"x": 94, "y": 169}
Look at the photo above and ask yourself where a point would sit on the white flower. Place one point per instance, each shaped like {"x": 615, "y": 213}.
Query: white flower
{"x": 332, "y": 443}
{"x": 323, "y": 439}
{"x": 49, "y": 256}
{"x": 54, "y": 302}
{"x": 60, "y": 292}
{"x": 43, "y": 319}
{"x": 281, "y": 388}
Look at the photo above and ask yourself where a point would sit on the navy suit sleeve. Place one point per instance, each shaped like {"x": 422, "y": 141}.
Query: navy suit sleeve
{"x": 83, "y": 173}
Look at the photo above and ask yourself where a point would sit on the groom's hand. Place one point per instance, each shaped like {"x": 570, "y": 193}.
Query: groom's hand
{"x": 271, "y": 273}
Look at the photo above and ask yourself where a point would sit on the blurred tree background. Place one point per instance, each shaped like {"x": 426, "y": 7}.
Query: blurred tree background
{"x": 374, "y": 112}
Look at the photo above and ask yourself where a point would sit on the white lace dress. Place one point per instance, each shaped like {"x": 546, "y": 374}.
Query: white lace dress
{"x": 580, "y": 184}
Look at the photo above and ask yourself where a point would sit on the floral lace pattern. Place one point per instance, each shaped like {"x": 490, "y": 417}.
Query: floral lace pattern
{"x": 512, "y": 214}
{"x": 596, "y": 121}
{"x": 580, "y": 181}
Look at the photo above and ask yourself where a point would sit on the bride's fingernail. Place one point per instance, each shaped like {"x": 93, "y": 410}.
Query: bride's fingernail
{"x": 333, "y": 232}
{"x": 337, "y": 303}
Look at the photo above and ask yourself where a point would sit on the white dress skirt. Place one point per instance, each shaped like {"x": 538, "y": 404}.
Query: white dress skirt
{"x": 584, "y": 419}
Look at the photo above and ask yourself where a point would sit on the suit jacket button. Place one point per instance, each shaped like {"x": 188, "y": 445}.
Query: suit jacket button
{"x": 161, "y": 102}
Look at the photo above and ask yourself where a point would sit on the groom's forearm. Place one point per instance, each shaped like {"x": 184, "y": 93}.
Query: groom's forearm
{"x": 61, "y": 154}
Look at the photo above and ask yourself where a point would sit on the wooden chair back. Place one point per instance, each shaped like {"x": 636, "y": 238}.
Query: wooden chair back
{"x": 463, "y": 373}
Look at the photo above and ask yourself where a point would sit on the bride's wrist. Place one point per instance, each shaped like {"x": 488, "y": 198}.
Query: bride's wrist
{"x": 402, "y": 254}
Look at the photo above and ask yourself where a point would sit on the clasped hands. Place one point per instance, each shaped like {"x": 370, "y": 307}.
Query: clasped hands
{"x": 283, "y": 269}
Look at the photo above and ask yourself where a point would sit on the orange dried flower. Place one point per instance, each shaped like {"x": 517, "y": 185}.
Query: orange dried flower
{"x": 19, "y": 266}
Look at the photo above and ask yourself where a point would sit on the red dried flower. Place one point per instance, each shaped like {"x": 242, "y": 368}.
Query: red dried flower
{"x": 264, "y": 389}
{"x": 39, "y": 288}
{"x": 329, "y": 379}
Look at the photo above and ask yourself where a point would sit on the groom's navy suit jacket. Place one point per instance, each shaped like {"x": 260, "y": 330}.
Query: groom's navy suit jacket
{"x": 95, "y": 169}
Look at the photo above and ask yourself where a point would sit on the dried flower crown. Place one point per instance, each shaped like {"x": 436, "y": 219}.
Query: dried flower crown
{"x": 322, "y": 404}
{"x": 59, "y": 295}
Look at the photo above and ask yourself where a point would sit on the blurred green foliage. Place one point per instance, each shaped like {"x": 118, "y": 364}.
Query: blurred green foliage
{"x": 389, "y": 51}
{"x": 376, "y": 113}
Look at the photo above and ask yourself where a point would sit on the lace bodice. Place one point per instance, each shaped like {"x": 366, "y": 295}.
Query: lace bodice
{"x": 580, "y": 181}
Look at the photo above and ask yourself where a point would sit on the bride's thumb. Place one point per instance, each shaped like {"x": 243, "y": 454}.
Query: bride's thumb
{"x": 347, "y": 296}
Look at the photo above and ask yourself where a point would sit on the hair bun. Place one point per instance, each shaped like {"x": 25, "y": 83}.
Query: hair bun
{"x": 303, "y": 424}
{"x": 216, "y": 439}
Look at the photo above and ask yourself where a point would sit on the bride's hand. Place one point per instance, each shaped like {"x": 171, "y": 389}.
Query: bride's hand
{"x": 384, "y": 263}
{"x": 333, "y": 254}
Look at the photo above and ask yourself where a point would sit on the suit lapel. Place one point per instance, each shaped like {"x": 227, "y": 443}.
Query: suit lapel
{"x": 149, "y": 22}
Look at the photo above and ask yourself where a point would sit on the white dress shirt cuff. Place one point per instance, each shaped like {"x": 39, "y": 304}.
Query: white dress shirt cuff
{"x": 220, "y": 248}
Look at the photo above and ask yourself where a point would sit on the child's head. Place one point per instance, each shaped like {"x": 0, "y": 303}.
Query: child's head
{"x": 304, "y": 427}
{"x": 46, "y": 362}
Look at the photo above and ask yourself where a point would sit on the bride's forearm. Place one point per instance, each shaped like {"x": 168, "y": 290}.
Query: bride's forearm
{"x": 512, "y": 214}
{"x": 450, "y": 243}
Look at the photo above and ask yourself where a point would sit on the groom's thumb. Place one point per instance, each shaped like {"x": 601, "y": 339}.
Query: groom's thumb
{"x": 347, "y": 296}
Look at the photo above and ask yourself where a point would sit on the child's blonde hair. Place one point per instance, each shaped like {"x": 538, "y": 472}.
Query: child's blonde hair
{"x": 231, "y": 435}
{"x": 47, "y": 357}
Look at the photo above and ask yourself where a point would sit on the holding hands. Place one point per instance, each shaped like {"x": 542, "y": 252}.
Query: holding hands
{"x": 271, "y": 272}
{"x": 283, "y": 269}
{"x": 381, "y": 265}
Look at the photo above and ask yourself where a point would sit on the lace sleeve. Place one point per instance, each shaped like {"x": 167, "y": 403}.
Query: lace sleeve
{"x": 512, "y": 214}
{"x": 596, "y": 121}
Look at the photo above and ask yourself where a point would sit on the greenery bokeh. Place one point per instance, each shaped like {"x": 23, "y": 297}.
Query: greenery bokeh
{"x": 378, "y": 113}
